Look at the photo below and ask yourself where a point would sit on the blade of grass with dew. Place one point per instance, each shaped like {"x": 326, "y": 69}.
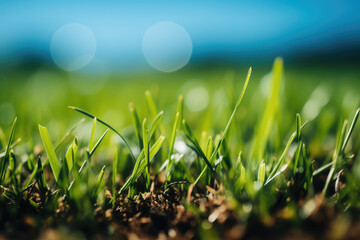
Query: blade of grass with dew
{"x": 107, "y": 125}
{"x": 214, "y": 153}
{"x": 50, "y": 151}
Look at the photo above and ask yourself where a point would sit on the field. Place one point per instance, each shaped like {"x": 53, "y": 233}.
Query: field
{"x": 204, "y": 153}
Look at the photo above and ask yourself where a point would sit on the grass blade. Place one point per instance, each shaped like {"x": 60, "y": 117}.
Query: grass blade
{"x": 171, "y": 148}
{"x": 145, "y": 132}
{"x": 190, "y": 136}
{"x": 70, "y": 154}
{"x": 271, "y": 109}
{"x": 261, "y": 172}
{"x": 99, "y": 182}
{"x": 114, "y": 174}
{"x": 214, "y": 153}
{"x": 180, "y": 107}
{"x": 151, "y": 103}
{"x": 107, "y": 125}
{"x": 136, "y": 122}
{"x": 142, "y": 164}
{"x": 340, "y": 148}
{"x": 92, "y": 135}
{"x": 155, "y": 123}
{"x": 98, "y": 143}
{"x": 32, "y": 177}
{"x": 352, "y": 126}
{"x": 67, "y": 135}
{"x": 50, "y": 151}
{"x": 282, "y": 157}
{"x": 7, "y": 152}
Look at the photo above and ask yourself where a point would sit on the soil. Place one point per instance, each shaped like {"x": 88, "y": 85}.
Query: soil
{"x": 168, "y": 215}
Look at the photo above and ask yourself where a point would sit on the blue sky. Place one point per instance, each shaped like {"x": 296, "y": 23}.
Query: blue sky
{"x": 232, "y": 30}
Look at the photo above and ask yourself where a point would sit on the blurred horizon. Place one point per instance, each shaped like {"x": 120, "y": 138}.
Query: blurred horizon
{"x": 226, "y": 33}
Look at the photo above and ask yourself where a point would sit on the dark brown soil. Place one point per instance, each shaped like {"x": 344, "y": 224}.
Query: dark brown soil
{"x": 168, "y": 215}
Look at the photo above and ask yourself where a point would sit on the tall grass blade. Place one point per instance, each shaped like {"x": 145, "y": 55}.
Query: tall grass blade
{"x": 271, "y": 109}
{"x": 215, "y": 152}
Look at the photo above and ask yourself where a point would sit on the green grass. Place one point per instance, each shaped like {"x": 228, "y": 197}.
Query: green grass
{"x": 250, "y": 147}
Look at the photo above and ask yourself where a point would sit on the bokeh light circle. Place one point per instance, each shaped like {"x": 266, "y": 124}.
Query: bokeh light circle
{"x": 73, "y": 46}
{"x": 197, "y": 99}
{"x": 167, "y": 46}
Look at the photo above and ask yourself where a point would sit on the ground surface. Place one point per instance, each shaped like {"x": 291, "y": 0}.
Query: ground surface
{"x": 312, "y": 193}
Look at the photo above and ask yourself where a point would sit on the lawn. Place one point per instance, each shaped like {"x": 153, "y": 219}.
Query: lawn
{"x": 208, "y": 152}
